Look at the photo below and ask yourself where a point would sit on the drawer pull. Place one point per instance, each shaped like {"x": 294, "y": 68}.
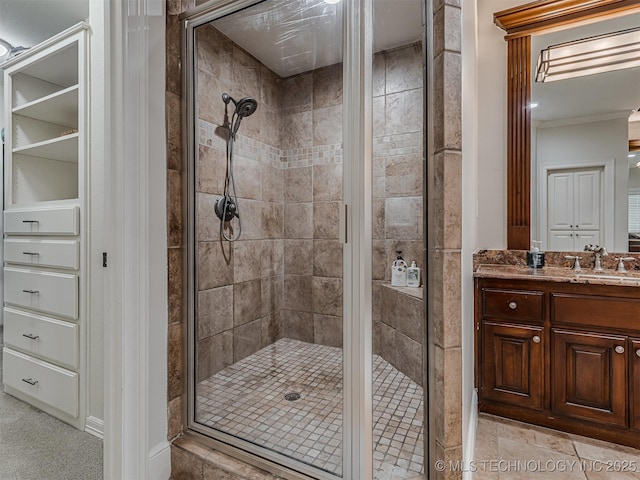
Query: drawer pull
{"x": 513, "y": 305}
{"x": 30, "y": 253}
{"x": 536, "y": 339}
{"x": 30, "y": 381}
{"x": 30, "y": 221}
{"x": 31, "y": 336}
{"x": 32, "y": 292}
{"x": 619, "y": 349}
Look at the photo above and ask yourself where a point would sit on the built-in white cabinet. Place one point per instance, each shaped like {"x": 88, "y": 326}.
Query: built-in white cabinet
{"x": 46, "y": 225}
{"x": 575, "y": 204}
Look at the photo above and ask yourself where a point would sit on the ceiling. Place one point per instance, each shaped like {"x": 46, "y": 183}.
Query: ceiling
{"x": 295, "y": 36}
{"x": 605, "y": 94}
{"x": 28, "y": 22}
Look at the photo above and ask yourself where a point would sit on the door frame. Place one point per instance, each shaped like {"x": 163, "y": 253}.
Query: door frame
{"x": 608, "y": 199}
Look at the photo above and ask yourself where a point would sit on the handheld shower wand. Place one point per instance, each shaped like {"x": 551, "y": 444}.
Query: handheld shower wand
{"x": 227, "y": 206}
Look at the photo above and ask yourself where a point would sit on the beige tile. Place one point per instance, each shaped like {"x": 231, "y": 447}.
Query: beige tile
{"x": 174, "y": 209}
{"x": 174, "y": 416}
{"x": 248, "y": 177}
{"x": 327, "y": 125}
{"x": 327, "y": 86}
{"x": 326, "y": 220}
{"x": 298, "y": 220}
{"x": 327, "y": 296}
{"x": 298, "y": 93}
{"x": 409, "y": 357}
{"x": 327, "y": 258}
{"x": 378, "y": 219}
{"x": 388, "y": 343}
{"x": 272, "y": 220}
{"x": 213, "y": 472}
{"x": 214, "y": 354}
{"x": 185, "y": 465}
{"x": 270, "y": 329}
{"x": 327, "y": 330}
{"x": 379, "y": 110}
{"x": 207, "y": 223}
{"x": 214, "y": 53}
{"x": 447, "y": 198}
{"x": 175, "y": 361}
{"x": 251, "y": 212}
{"x": 172, "y": 57}
{"x": 447, "y": 30}
{"x": 327, "y": 182}
{"x": 247, "y": 302}
{"x": 299, "y": 129}
{"x": 404, "y": 176}
{"x": 404, "y": 218}
{"x": 535, "y": 435}
{"x": 605, "y": 452}
{"x": 404, "y": 112}
{"x": 272, "y": 258}
{"x": 389, "y": 306}
{"x": 379, "y": 260}
{"x": 447, "y": 102}
{"x": 246, "y": 260}
{"x": 174, "y": 131}
{"x": 271, "y": 128}
{"x": 404, "y": 69}
{"x": 208, "y": 96}
{"x": 452, "y": 410}
{"x": 298, "y": 185}
{"x": 379, "y": 72}
{"x": 298, "y": 257}
{"x": 297, "y": 293}
{"x": 272, "y": 184}
{"x": 215, "y": 264}
{"x": 297, "y": 325}
{"x": 410, "y": 317}
{"x": 451, "y": 300}
{"x": 211, "y": 166}
{"x": 247, "y": 339}
{"x": 270, "y": 92}
{"x": 271, "y": 295}
{"x": 175, "y": 273}
{"x": 215, "y": 311}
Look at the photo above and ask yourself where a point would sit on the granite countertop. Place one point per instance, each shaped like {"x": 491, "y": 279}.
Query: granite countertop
{"x": 558, "y": 274}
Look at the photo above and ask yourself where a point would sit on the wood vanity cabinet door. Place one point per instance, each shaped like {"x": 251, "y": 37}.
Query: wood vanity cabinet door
{"x": 634, "y": 356}
{"x": 589, "y": 376}
{"x": 513, "y": 364}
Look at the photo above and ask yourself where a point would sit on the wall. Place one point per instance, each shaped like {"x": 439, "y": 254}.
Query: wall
{"x": 588, "y": 142}
{"x": 239, "y": 284}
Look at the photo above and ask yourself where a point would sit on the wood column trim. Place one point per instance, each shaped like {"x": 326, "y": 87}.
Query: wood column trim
{"x": 518, "y": 143}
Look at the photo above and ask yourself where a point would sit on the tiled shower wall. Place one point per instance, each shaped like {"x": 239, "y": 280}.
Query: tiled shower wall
{"x": 239, "y": 284}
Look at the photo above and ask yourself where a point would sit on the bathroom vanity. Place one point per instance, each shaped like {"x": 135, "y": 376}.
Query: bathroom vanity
{"x": 560, "y": 349}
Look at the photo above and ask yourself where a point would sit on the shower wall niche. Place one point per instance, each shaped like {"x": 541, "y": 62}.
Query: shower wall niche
{"x": 289, "y": 181}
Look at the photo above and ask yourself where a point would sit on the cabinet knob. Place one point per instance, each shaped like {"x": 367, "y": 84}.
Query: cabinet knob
{"x": 513, "y": 305}
{"x": 536, "y": 339}
{"x": 619, "y": 349}
{"x": 638, "y": 352}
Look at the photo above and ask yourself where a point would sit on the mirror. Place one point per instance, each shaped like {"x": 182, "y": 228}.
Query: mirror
{"x": 584, "y": 180}
{"x": 524, "y": 219}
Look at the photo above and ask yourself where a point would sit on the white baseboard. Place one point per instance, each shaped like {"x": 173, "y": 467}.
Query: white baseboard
{"x": 471, "y": 437}
{"x": 160, "y": 462}
{"x": 95, "y": 427}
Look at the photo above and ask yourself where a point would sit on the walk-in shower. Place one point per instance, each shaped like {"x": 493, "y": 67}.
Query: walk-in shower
{"x": 300, "y": 350}
{"x": 227, "y": 206}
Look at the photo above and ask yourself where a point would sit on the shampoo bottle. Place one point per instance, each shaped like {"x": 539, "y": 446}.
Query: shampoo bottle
{"x": 399, "y": 272}
{"x": 413, "y": 275}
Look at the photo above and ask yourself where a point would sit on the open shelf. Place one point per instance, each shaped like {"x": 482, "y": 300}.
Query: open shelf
{"x": 60, "y": 108}
{"x": 64, "y": 149}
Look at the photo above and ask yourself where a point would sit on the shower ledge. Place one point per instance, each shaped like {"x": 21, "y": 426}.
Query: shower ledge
{"x": 416, "y": 292}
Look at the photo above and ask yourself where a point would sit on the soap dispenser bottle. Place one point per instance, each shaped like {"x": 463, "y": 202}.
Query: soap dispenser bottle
{"x": 535, "y": 258}
{"x": 413, "y": 275}
{"x": 399, "y": 271}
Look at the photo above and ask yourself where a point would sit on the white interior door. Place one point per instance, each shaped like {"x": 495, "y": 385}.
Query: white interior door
{"x": 560, "y": 201}
{"x": 588, "y": 201}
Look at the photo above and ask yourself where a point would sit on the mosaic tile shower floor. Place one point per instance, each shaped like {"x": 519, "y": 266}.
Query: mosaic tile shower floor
{"x": 247, "y": 400}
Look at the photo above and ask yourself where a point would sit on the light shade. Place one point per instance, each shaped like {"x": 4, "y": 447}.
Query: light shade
{"x": 604, "y": 53}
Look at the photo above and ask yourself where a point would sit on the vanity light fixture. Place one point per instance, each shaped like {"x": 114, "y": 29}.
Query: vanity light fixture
{"x": 588, "y": 56}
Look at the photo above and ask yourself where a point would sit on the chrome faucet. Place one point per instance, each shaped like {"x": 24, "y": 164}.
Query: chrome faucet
{"x": 621, "y": 268}
{"x": 576, "y": 264}
{"x": 599, "y": 252}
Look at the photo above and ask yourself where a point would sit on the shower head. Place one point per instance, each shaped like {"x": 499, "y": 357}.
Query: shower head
{"x": 244, "y": 107}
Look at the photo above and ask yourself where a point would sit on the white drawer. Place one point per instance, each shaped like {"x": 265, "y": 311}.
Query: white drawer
{"x": 43, "y": 253}
{"x": 52, "y": 385}
{"x": 49, "y": 292}
{"x": 51, "y": 221}
{"x": 45, "y": 337}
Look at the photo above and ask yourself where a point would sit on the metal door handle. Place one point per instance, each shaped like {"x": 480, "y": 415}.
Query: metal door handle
{"x": 31, "y": 336}
{"x": 619, "y": 349}
{"x": 30, "y": 381}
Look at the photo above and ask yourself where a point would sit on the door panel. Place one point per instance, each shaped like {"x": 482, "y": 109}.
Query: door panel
{"x": 588, "y": 376}
{"x": 513, "y": 364}
{"x": 560, "y": 202}
{"x": 587, "y": 200}
{"x": 634, "y": 356}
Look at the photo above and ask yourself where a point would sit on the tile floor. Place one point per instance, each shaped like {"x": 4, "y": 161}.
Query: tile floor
{"x": 247, "y": 400}
{"x": 510, "y": 450}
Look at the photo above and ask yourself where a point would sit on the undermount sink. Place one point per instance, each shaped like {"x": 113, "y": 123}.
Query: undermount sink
{"x": 609, "y": 277}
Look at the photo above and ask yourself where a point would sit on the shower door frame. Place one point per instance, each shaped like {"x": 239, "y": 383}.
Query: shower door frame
{"x": 355, "y": 234}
